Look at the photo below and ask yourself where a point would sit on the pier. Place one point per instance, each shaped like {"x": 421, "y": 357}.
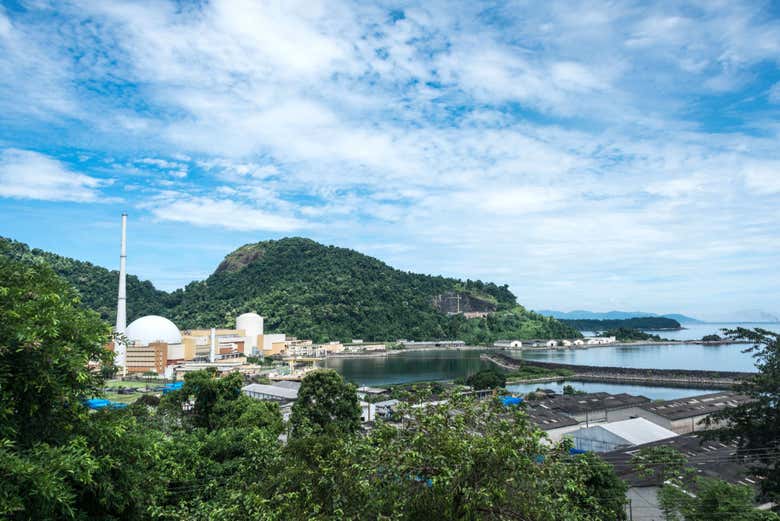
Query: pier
{"x": 627, "y": 375}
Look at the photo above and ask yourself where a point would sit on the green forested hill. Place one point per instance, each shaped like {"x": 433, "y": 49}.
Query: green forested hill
{"x": 309, "y": 290}
{"x": 97, "y": 285}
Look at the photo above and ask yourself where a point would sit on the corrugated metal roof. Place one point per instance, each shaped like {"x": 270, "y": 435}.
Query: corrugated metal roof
{"x": 693, "y": 406}
{"x": 637, "y": 431}
{"x": 271, "y": 390}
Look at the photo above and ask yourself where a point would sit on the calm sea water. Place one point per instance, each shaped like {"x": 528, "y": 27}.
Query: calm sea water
{"x": 414, "y": 366}
{"x": 725, "y": 357}
{"x": 448, "y": 365}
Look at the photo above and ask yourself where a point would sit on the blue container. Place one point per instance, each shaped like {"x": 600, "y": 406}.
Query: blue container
{"x": 97, "y": 403}
{"x": 175, "y": 386}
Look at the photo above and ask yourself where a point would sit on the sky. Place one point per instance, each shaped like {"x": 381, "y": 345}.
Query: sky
{"x": 592, "y": 155}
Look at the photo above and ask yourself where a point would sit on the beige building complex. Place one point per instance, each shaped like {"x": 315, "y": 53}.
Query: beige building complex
{"x": 154, "y": 343}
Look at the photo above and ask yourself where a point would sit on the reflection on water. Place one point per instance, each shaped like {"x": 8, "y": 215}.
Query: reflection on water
{"x": 408, "y": 367}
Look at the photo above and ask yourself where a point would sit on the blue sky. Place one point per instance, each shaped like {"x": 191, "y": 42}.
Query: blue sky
{"x": 596, "y": 155}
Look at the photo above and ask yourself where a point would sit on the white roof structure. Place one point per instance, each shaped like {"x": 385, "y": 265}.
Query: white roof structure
{"x": 637, "y": 431}
{"x": 153, "y": 328}
{"x": 269, "y": 392}
{"x": 288, "y": 384}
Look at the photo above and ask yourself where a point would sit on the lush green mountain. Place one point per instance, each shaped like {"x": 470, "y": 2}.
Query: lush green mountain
{"x": 653, "y": 323}
{"x": 309, "y": 290}
{"x": 97, "y": 285}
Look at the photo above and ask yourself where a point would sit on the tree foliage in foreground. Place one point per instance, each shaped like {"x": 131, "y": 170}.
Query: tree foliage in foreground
{"x": 326, "y": 404}
{"x": 755, "y": 425}
{"x": 209, "y": 452}
{"x": 686, "y": 496}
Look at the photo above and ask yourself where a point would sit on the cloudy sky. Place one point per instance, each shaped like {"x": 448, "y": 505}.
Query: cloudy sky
{"x": 596, "y": 155}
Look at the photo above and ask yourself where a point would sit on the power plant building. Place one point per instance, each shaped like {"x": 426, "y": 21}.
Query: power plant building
{"x": 154, "y": 344}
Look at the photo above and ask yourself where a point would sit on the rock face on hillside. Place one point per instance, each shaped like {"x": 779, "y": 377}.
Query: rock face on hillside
{"x": 453, "y": 302}
{"x": 241, "y": 258}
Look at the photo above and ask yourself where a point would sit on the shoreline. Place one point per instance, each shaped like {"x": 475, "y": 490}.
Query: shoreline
{"x": 685, "y": 378}
{"x": 638, "y": 343}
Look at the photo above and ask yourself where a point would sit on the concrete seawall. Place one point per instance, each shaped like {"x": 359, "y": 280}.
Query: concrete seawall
{"x": 630, "y": 375}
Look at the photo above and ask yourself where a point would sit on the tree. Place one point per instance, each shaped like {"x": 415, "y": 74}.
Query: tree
{"x": 47, "y": 341}
{"x": 205, "y": 390}
{"x": 58, "y": 461}
{"x": 712, "y": 499}
{"x": 686, "y": 496}
{"x": 755, "y": 425}
{"x": 486, "y": 379}
{"x": 461, "y": 460}
{"x": 326, "y": 404}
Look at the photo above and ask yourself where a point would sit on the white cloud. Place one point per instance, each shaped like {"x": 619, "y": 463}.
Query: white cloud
{"x": 774, "y": 93}
{"x": 763, "y": 178}
{"x": 35, "y": 71}
{"x": 224, "y": 213}
{"x": 25, "y": 174}
{"x": 546, "y": 128}
{"x": 679, "y": 187}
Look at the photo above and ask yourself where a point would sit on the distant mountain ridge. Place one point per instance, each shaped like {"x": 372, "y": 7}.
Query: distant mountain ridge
{"x": 614, "y": 315}
{"x": 309, "y": 290}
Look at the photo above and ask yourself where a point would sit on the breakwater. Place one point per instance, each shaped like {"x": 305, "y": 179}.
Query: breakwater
{"x": 630, "y": 375}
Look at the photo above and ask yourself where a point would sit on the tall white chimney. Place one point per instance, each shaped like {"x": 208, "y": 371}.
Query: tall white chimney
{"x": 121, "y": 304}
{"x": 213, "y": 350}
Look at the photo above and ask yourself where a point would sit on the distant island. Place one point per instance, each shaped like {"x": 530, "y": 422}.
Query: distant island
{"x": 641, "y": 323}
{"x": 614, "y": 315}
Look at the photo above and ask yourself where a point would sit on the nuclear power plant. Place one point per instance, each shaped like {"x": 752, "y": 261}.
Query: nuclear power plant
{"x": 155, "y": 344}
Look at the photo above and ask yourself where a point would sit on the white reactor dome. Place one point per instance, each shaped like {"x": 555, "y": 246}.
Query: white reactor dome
{"x": 249, "y": 320}
{"x": 153, "y": 328}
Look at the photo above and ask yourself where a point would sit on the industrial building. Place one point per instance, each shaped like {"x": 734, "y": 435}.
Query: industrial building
{"x": 686, "y": 415}
{"x": 154, "y": 344}
{"x": 595, "y": 407}
{"x": 275, "y": 392}
{"x": 606, "y": 437}
{"x": 508, "y": 344}
{"x": 710, "y": 459}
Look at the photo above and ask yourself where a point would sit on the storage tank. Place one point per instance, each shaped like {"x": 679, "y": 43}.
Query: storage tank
{"x": 252, "y": 324}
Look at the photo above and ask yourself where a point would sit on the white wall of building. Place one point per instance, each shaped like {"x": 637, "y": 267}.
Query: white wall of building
{"x": 252, "y": 324}
{"x": 268, "y": 340}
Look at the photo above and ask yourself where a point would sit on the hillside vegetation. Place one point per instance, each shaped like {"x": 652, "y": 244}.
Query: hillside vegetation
{"x": 309, "y": 290}
{"x": 97, "y": 285}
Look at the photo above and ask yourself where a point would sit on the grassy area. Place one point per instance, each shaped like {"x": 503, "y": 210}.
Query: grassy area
{"x": 122, "y": 398}
{"x": 131, "y": 383}
{"x": 531, "y": 372}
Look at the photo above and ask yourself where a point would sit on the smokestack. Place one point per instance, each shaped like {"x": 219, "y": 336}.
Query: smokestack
{"x": 121, "y": 304}
{"x": 213, "y": 350}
